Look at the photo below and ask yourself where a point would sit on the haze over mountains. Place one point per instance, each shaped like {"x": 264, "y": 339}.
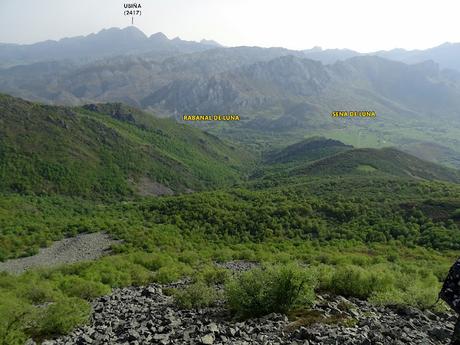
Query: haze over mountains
{"x": 130, "y": 40}
{"x": 282, "y": 95}
{"x": 446, "y": 55}
{"x": 107, "y": 42}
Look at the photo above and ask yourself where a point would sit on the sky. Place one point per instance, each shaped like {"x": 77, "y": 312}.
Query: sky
{"x": 362, "y": 25}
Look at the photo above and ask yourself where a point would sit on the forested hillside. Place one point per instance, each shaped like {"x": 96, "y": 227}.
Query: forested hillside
{"x": 108, "y": 150}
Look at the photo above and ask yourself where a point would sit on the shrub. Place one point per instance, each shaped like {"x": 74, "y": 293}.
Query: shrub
{"x": 324, "y": 274}
{"x": 140, "y": 276}
{"x": 152, "y": 262}
{"x": 14, "y": 314}
{"x": 212, "y": 275}
{"x": 354, "y": 281}
{"x": 37, "y": 291}
{"x": 418, "y": 290}
{"x": 456, "y": 214}
{"x": 223, "y": 254}
{"x": 276, "y": 289}
{"x": 197, "y": 295}
{"x": 78, "y": 287}
{"x": 117, "y": 271}
{"x": 392, "y": 296}
{"x": 169, "y": 274}
{"x": 189, "y": 257}
{"x": 63, "y": 316}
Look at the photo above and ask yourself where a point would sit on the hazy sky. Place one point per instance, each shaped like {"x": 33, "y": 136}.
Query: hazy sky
{"x": 363, "y": 25}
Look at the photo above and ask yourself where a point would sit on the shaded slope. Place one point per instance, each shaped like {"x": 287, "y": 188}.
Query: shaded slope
{"x": 386, "y": 161}
{"x": 307, "y": 150}
{"x": 433, "y": 152}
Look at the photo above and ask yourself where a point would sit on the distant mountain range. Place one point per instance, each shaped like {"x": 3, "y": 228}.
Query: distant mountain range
{"x": 447, "y": 55}
{"x": 247, "y": 80}
{"x": 106, "y": 43}
{"x": 301, "y": 89}
{"x": 282, "y": 95}
{"x": 132, "y": 41}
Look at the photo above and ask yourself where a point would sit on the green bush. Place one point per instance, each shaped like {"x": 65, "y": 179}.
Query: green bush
{"x": 167, "y": 275}
{"x": 275, "y": 289}
{"x": 14, "y": 315}
{"x": 172, "y": 273}
{"x": 197, "y": 295}
{"x": 354, "y": 281}
{"x": 38, "y": 292}
{"x": 152, "y": 262}
{"x": 415, "y": 289}
{"x": 117, "y": 271}
{"x": 77, "y": 287}
{"x": 212, "y": 275}
{"x": 223, "y": 254}
{"x": 189, "y": 257}
{"x": 140, "y": 276}
{"x": 63, "y": 316}
{"x": 324, "y": 274}
{"x": 456, "y": 214}
{"x": 388, "y": 297}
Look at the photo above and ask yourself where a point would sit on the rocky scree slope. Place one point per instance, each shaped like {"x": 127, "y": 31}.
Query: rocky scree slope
{"x": 145, "y": 315}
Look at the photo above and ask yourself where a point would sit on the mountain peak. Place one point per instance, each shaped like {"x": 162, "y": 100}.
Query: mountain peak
{"x": 210, "y": 43}
{"x": 133, "y": 29}
{"x": 130, "y": 32}
{"x": 316, "y": 49}
{"x": 159, "y": 36}
{"x": 134, "y": 32}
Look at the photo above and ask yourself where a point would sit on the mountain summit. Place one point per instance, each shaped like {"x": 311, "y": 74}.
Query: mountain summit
{"x": 105, "y": 43}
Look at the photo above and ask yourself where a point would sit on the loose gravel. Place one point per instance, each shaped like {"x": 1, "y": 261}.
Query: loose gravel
{"x": 69, "y": 250}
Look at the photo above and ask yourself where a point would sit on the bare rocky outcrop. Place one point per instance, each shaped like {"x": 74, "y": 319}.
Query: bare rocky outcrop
{"x": 146, "y": 187}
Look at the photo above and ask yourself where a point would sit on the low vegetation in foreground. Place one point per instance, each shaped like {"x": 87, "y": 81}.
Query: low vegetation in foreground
{"x": 308, "y": 236}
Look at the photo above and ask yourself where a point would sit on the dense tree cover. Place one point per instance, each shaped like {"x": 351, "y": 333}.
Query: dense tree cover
{"x": 366, "y": 210}
{"x": 104, "y": 151}
{"x": 383, "y": 210}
